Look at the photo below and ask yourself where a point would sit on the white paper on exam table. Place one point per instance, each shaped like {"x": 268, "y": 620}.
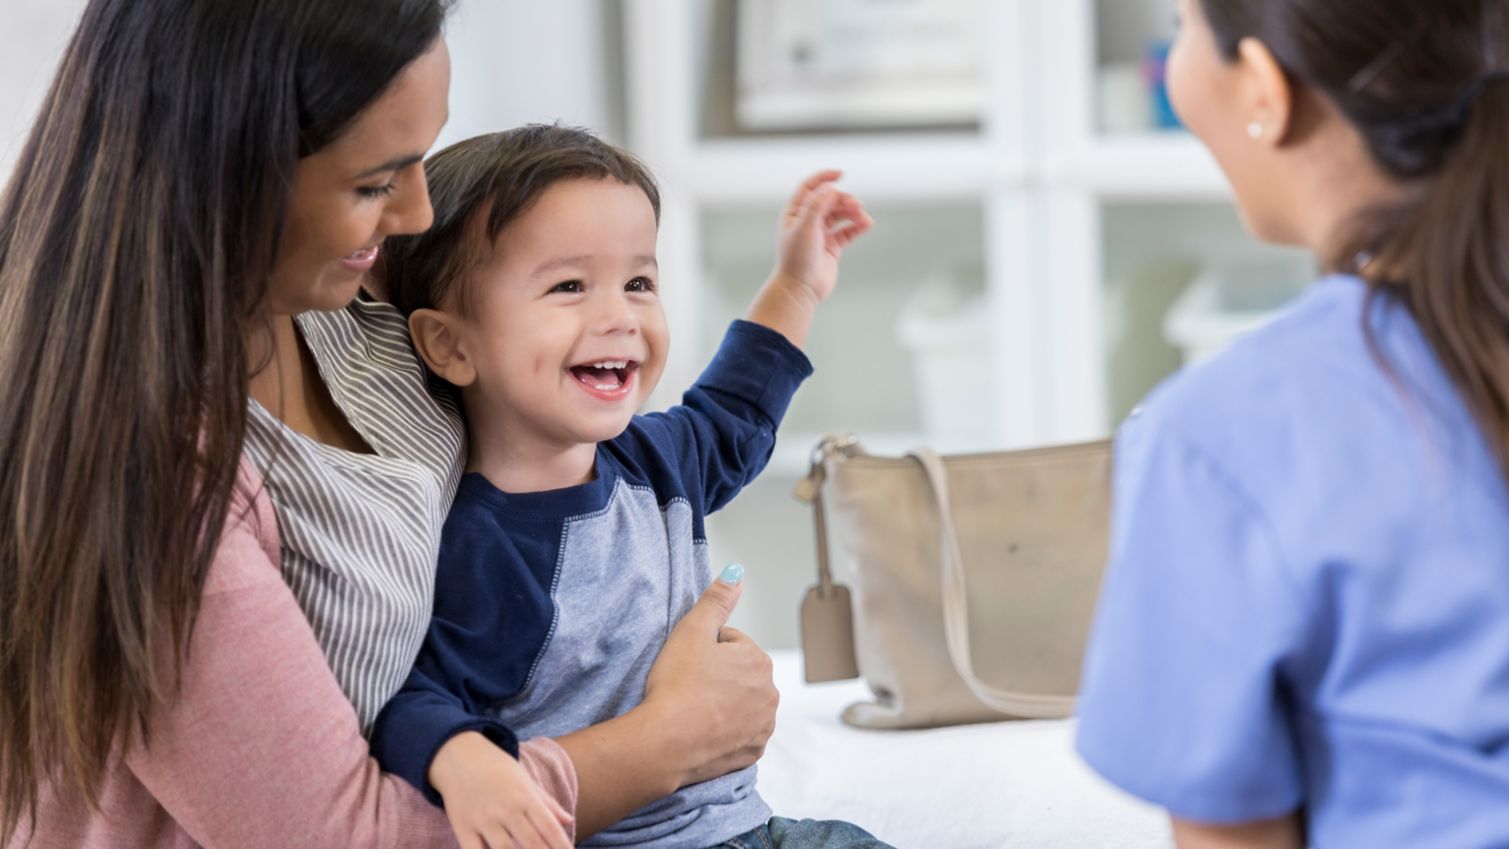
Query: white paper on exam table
{"x": 1007, "y": 785}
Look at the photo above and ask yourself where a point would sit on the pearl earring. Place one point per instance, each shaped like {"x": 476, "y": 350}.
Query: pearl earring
{"x": 1255, "y": 130}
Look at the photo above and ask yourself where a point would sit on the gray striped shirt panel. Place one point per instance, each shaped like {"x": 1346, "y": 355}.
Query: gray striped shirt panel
{"x": 360, "y": 532}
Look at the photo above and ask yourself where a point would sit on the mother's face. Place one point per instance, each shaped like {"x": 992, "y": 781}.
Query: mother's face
{"x": 366, "y": 185}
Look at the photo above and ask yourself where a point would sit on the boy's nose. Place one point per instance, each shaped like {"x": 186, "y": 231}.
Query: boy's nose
{"x": 615, "y": 316}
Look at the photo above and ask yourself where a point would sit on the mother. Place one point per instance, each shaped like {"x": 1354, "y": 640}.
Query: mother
{"x": 181, "y": 251}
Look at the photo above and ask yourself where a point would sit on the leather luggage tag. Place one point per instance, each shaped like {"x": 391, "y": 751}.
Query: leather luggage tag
{"x": 828, "y": 634}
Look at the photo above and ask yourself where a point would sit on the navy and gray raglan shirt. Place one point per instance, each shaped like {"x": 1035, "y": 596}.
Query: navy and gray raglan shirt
{"x": 550, "y": 607}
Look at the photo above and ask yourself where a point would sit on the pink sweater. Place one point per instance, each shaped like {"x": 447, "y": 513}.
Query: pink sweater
{"x": 261, "y": 750}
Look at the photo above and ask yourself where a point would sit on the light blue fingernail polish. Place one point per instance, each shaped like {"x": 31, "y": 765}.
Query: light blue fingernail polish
{"x": 732, "y": 574}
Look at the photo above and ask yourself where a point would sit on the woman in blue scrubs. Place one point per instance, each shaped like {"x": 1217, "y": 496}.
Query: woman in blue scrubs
{"x": 1303, "y": 638}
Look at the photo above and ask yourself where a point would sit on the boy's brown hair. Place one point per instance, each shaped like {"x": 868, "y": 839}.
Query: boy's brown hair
{"x": 481, "y": 185}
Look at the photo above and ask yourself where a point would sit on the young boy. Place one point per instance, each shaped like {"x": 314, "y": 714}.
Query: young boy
{"x": 576, "y": 540}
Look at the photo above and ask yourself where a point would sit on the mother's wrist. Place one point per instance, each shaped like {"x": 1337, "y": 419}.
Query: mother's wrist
{"x": 681, "y": 746}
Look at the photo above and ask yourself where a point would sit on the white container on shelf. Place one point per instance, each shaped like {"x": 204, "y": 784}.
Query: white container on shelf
{"x": 859, "y": 63}
{"x": 1227, "y": 301}
{"x": 1123, "y": 103}
{"x": 948, "y": 336}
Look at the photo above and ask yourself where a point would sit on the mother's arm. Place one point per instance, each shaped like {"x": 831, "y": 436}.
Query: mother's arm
{"x": 709, "y": 709}
{"x": 259, "y": 746}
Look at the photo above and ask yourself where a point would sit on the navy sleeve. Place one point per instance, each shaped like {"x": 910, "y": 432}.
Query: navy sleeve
{"x": 490, "y": 620}
{"x": 419, "y": 719}
{"x": 722, "y": 434}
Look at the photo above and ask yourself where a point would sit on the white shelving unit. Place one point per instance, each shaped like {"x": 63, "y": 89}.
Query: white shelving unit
{"x": 676, "y": 53}
{"x": 1074, "y": 241}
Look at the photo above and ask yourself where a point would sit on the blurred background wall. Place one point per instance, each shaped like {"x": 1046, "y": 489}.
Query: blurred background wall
{"x": 569, "y": 51}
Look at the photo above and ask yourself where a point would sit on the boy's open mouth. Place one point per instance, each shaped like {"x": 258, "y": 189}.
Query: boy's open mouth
{"x": 606, "y": 376}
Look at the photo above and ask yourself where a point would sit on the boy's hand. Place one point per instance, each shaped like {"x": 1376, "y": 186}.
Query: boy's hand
{"x": 490, "y": 799}
{"x": 819, "y": 222}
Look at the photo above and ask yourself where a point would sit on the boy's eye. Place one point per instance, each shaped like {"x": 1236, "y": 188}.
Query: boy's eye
{"x": 569, "y": 287}
{"x": 640, "y": 284}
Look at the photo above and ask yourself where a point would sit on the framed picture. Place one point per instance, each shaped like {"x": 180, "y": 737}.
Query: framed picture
{"x": 854, "y": 64}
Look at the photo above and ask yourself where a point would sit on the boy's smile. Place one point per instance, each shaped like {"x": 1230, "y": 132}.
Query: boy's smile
{"x": 610, "y": 380}
{"x": 564, "y": 329}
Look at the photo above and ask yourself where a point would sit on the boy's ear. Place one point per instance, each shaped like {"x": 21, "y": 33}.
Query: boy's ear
{"x": 1270, "y": 93}
{"x": 438, "y": 341}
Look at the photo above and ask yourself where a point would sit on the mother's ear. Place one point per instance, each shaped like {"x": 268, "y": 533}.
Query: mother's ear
{"x": 439, "y": 342}
{"x": 1267, "y": 93}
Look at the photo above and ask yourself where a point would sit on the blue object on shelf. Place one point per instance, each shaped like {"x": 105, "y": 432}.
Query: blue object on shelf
{"x": 1155, "y": 73}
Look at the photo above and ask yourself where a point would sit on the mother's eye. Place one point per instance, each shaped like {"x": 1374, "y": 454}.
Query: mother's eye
{"x": 375, "y": 192}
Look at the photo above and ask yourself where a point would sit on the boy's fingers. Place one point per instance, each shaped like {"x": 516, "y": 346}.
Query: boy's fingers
{"x": 827, "y": 175}
{"x": 820, "y": 204}
{"x": 558, "y": 810}
{"x": 552, "y": 835}
{"x": 849, "y": 206}
{"x": 851, "y": 224}
{"x": 497, "y": 838}
{"x": 812, "y": 185}
{"x": 522, "y": 836}
{"x": 857, "y": 222}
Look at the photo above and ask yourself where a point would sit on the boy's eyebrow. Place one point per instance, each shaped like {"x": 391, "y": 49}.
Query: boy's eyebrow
{"x": 582, "y": 259}
{"x": 560, "y": 262}
{"x": 395, "y": 164}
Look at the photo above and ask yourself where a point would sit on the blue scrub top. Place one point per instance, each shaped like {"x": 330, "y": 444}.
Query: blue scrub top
{"x": 1307, "y": 604}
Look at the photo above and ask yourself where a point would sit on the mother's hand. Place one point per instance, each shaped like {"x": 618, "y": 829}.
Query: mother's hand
{"x": 709, "y": 708}
{"x": 714, "y": 684}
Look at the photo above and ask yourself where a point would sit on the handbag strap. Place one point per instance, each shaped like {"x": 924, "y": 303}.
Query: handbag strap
{"x": 833, "y": 447}
{"x": 955, "y": 594}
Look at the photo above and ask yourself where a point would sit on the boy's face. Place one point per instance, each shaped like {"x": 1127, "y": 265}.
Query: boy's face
{"x": 565, "y": 329}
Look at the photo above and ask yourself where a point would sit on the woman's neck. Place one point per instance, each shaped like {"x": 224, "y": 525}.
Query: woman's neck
{"x": 1337, "y": 182}
{"x": 285, "y": 380}
{"x": 273, "y": 361}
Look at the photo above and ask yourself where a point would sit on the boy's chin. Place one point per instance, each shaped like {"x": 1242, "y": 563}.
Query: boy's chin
{"x": 606, "y": 430}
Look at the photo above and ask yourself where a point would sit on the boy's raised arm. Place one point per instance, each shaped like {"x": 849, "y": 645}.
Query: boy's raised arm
{"x": 818, "y": 223}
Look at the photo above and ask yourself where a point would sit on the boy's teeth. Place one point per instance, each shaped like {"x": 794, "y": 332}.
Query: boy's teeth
{"x": 607, "y": 364}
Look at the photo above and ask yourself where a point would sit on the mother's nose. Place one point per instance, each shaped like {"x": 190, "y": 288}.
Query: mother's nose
{"x": 409, "y": 210}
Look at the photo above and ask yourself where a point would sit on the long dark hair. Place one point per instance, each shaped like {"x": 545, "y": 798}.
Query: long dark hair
{"x": 1425, "y": 84}
{"x": 136, "y": 237}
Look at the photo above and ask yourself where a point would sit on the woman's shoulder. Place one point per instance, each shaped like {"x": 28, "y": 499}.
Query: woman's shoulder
{"x": 367, "y": 359}
{"x": 248, "y": 552}
{"x": 367, "y": 362}
{"x": 373, "y": 329}
{"x": 1337, "y": 401}
{"x": 1315, "y": 372}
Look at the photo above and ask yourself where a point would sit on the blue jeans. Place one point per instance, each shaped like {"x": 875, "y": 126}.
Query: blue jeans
{"x": 782, "y": 833}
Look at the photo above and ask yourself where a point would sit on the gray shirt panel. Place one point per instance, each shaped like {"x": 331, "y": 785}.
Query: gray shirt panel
{"x": 624, "y": 577}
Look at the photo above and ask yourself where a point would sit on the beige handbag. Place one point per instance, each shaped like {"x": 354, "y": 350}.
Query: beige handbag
{"x": 974, "y": 579}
